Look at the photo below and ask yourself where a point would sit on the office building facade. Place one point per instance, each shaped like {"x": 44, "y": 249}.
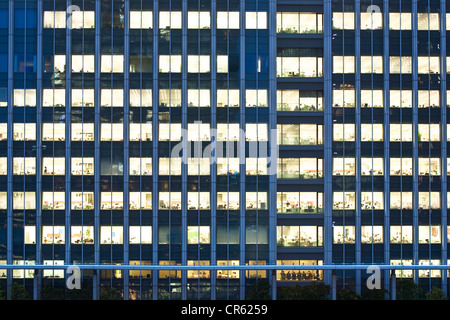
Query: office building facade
{"x": 221, "y": 133}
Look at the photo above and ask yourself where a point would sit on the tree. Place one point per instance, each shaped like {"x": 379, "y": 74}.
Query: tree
{"x": 260, "y": 290}
{"x": 435, "y": 294}
{"x": 52, "y": 293}
{"x": 85, "y": 293}
{"x": 347, "y": 294}
{"x": 407, "y": 289}
{"x": 315, "y": 291}
{"x": 19, "y": 292}
{"x": 108, "y": 293}
{"x": 374, "y": 294}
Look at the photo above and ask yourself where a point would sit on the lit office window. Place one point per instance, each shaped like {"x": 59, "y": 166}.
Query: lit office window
{"x": 83, "y": 19}
{"x": 112, "y": 63}
{"x": 199, "y": 166}
{"x": 53, "y": 234}
{"x": 198, "y": 64}
{"x": 24, "y": 200}
{"x": 429, "y": 200}
{"x": 53, "y": 200}
{"x": 111, "y": 235}
{"x": 228, "y": 132}
{"x": 3, "y": 200}
{"x": 199, "y": 132}
{"x": 53, "y": 166}
{"x": 111, "y": 132}
{"x": 198, "y": 274}
{"x": 372, "y": 99}
{"x": 429, "y": 236}
{"x": 25, "y": 98}
{"x": 228, "y": 98}
{"x": 140, "y": 200}
{"x": 140, "y": 97}
{"x": 256, "y": 132}
{"x": 222, "y": 64}
{"x": 400, "y": 21}
{"x": 401, "y": 200}
{"x": 430, "y": 273}
{"x": 344, "y": 166}
{"x": 54, "y": 97}
{"x": 296, "y": 22}
{"x": 429, "y": 132}
{"x": 344, "y": 20}
{"x": 30, "y": 234}
{"x": 141, "y": 19}
{"x": 82, "y": 131}
{"x": 429, "y": 167}
{"x": 83, "y": 97}
{"x": 343, "y": 64}
{"x": 371, "y": 20}
{"x": 299, "y": 236}
{"x": 256, "y": 20}
{"x": 140, "y": 166}
{"x": 257, "y": 166}
{"x": 199, "y": 20}
{"x": 343, "y": 234}
{"x": 371, "y": 64}
{"x": 24, "y": 166}
{"x": 372, "y": 132}
{"x": 429, "y": 98}
{"x": 401, "y": 234}
{"x": 295, "y": 100}
{"x": 24, "y": 132}
{"x": 371, "y": 234}
{"x": 344, "y": 98}
{"x": 228, "y": 200}
{"x": 140, "y": 234}
{"x": 82, "y": 166}
{"x": 228, "y": 166}
{"x": 82, "y": 200}
{"x": 140, "y": 131}
{"x": 3, "y": 166}
{"x": 111, "y": 98}
{"x": 55, "y": 19}
{"x": 169, "y": 201}
{"x": 170, "y": 20}
{"x": 428, "y": 65}
{"x": 400, "y": 98}
{"x": 53, "y": 131}
{"x": 372, "y": 200}
{"x": 3, "y": 131}
{"x": 199, "y": 98}
{"x": 170, "y": 132}
{"x": 198, "y": 234}
{"x": 82, "y": 234}
{"x": 83, "y": 63}
{"x": 170, "y": 97}
{"x": 343, "y": 132}
{"x": 256, "y": 200}
{"x": 198, "y": 201}
{"x": 400, "y": 65}
{"x": 401, "y": 132}
{"x": 111, "y": 200}
{"x": 343, "y": 200}
{"x": 299, "y": 202}
{"x": 228, "y": 20}
{"x": 170, "y": 166}
{"x": 428, "y": 21}
{"x": 372, "y": 166}
{"x": 256, "y": 98}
